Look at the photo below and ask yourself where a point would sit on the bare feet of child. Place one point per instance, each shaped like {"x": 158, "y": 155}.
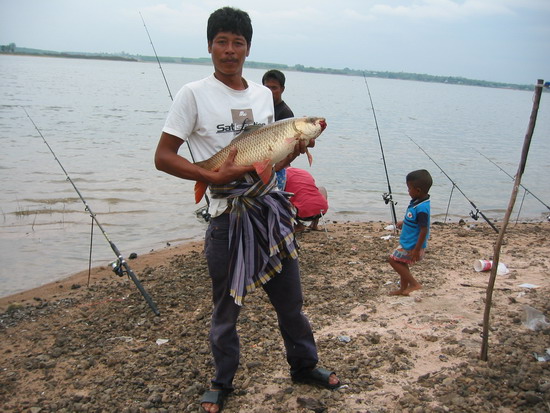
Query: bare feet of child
{"x": 396, "y": 292}
{"x": 412, "y": 288}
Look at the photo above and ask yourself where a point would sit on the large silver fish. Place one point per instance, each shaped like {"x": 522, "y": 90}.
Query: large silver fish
{"x": 263, "y": 147}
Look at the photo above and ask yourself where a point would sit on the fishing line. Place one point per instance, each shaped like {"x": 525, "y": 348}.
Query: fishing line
{"x": 449, "y": 204}
{"x": 120, "y": 266}
{"x": 387, "y": 197}
{"x": 513, "y": 178}
{"x": 521, "y": 205}
{"x": 474, "y": 215}
{"x": 202, "y": 212}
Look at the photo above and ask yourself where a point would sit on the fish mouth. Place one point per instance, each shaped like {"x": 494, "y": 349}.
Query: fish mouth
{"x": 323, "y": 124}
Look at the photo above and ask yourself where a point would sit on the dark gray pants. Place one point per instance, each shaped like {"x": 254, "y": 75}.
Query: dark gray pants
{"x": 284, "y": 292}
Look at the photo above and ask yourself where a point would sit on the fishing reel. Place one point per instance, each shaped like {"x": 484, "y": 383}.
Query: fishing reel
{"x": 388, "y": 198}
{"x": 117, "y": 267}
{"x": 475, "y": 215}
{"x": 202, "y": 213}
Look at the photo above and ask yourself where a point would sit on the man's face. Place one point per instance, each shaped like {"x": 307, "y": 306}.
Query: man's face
{"x": 275, "y": 88}
{"x": 229, "y": 52}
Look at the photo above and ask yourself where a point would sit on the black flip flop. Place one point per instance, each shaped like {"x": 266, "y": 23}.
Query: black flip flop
{"x": 214, "y": 397}
{"x": 317, "y": 376}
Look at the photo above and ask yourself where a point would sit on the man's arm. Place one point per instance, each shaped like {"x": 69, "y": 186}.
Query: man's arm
{"x": 168, "y": 160}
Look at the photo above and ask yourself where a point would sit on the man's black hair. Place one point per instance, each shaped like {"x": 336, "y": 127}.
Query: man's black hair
{"x": 421, "y": 179}
{"x": 274, "y": 74}
{"x": 229, "y": 19}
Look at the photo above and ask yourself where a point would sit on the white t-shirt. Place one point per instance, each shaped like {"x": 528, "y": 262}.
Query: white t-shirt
{"x": 210, "y": 114}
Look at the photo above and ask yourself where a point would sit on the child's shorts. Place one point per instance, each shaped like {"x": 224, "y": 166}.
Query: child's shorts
{"x": 400, "y": 254}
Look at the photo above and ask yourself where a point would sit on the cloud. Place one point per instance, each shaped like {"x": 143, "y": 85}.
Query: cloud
{"x": 536, "y": 5}
{"x": 185, "y": 18}
{"x": 443, "y": 9}
{"x": 354, "y": 15}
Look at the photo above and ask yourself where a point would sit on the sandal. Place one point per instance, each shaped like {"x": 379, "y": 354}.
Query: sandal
{"x": 215, "y": 397}
{"x": 317, "y": 376}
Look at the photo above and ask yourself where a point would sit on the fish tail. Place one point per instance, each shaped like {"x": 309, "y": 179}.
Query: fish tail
{"x": 200, "y": 189}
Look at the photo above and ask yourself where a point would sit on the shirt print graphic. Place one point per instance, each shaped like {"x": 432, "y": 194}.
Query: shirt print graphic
{"x": 241, "y": 118}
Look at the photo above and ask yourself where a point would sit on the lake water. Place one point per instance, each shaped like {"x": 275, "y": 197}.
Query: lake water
{"x": 103, "y": 120}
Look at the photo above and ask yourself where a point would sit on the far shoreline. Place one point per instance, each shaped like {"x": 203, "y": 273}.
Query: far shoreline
{"x": 73, "y": 56}
{"x": 67, "y": 286}
{"x": 205, "y": 61}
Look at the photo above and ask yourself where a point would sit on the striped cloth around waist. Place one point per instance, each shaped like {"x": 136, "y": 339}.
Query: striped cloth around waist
{"x": 261, "y": 235}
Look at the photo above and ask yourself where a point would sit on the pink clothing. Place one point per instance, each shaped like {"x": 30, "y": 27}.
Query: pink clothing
{"x": 307, "y": 199}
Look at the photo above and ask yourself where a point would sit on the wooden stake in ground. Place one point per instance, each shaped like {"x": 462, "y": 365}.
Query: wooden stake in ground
{"x": 517, "y": 182}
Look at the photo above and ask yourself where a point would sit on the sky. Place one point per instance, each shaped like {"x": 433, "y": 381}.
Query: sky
{"x": 495, "y": 40}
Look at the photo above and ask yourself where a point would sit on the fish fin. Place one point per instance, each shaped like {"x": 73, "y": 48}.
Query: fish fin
{"x": 309, "y": 157}
{"x": 245, "y": 132}
{"x": 200, "y": 189}
{"x": 263, "y": 169}
{"x": 251, "y": 128}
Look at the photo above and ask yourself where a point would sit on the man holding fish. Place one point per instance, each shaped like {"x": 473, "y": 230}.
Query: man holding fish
{"x": 250, "y": 239}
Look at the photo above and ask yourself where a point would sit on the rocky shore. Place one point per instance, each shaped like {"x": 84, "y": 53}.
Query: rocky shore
{"x": 73, "y": 347}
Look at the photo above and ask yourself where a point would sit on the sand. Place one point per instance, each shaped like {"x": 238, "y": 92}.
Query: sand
{"x": 70, "y": 347}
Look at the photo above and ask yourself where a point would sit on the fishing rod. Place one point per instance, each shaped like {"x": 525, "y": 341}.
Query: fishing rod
{"x": 203, "y": 212}
{"x": 474, "y": 215}
{"x": 160, "y": 66}
{"x": 387, "y": 197}
{"x": 120, "y": 266}
{"x": 513, "y": 178}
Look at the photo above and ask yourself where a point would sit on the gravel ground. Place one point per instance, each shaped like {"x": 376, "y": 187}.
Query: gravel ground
{"x": 100, "y": 348}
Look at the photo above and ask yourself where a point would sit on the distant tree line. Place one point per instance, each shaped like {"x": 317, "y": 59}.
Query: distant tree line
{"x": 8, "y": 48}
{"x": 395, "y": 75}
{"x": 350, "y": 72}
{"x": 12, "y": 48}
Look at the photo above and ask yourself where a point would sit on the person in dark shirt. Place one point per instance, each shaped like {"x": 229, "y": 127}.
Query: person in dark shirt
{"x": 274, "y": 80}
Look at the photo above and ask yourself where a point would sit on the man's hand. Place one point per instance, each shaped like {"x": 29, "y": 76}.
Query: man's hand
{"x": 230, "y": 171}
{"x": 300, "y": 148}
